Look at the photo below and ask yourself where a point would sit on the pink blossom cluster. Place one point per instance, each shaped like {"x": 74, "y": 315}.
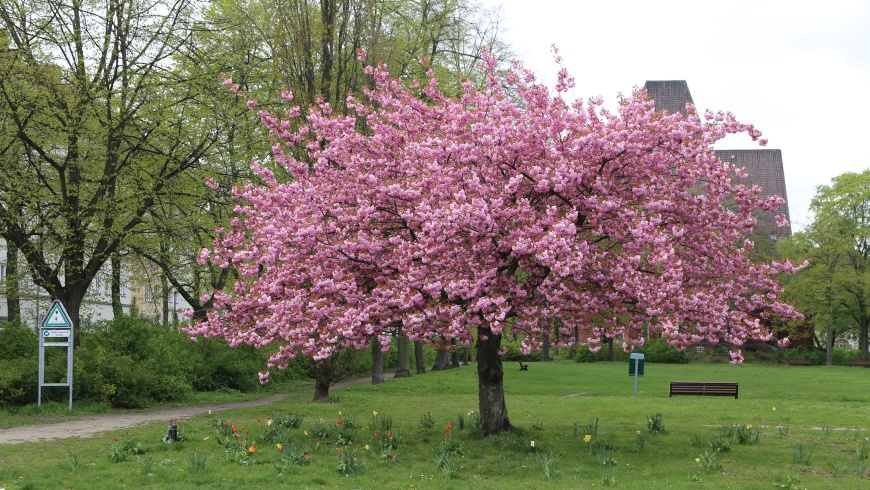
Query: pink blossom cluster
{"x": 503, "y": 209}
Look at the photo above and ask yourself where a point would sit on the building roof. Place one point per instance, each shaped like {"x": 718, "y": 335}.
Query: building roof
{"x": 669, "y": 95}
{"x": 764, "y": 167}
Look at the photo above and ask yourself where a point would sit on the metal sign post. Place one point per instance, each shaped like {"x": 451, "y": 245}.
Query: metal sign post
{"x": 56, "y": 331}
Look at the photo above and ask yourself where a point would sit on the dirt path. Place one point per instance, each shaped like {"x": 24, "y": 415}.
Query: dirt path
{"x": 91, "y": 425}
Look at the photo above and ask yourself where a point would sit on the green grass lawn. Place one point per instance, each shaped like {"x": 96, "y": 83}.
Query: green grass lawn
{"x": 814, "y": 438}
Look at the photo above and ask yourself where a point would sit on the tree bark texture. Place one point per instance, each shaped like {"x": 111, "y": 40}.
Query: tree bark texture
{"x": 404, "y": 360}
{"x": 490, "y": 384}
{"x": 419, "y": 357}
{"x": 322, "y": 379}
{"x": 13, "y": 303}
{"x": 440, "y": 360}
{"x": 545, "y": 348}
{"x": 117, "y": 307}
{"x": 377, "y": 362}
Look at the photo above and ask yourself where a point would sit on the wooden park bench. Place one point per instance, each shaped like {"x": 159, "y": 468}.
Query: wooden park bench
{"x": 859, "y": 363}
{"x": 703, "y": 388}
{"x": 523, "y": 367}
{"x": 800, "y": 362}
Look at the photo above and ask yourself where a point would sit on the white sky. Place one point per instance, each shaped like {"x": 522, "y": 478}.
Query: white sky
{"x": 798, "y": 70}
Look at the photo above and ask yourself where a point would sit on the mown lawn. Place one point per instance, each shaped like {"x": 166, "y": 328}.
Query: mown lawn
{"x": 792, "y": 427}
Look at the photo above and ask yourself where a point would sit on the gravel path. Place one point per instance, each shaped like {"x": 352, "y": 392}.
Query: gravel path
{"x": 91, "y": 425}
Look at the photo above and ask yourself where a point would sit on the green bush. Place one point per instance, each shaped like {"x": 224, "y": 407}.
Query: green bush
{"x": 514, "y": 353}
{"x": 18, "y": 341}
{"x": 18, "y": 381}
{"x": 660, "y": 351}
{"x": 840, "y": 357}
{"x": 581, "y": 353}
{"x": 133, "y": 362}
{"x": 214, "y": 366}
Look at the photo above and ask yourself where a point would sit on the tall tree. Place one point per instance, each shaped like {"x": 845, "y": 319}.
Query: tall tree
{"x": 11, "y": 156}
{"x": 470, "y": 217}
{"x": 835, "y": 289}
{"x": 104, "y": 122}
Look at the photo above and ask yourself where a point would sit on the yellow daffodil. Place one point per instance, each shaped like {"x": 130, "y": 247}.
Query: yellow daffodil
{"x": 367, "y": 447}
{"x": 374, "y": 413}
{"x": 697, "y": 460}
{"x": 638, "y": 432}
{"x": 587, "y": 438}
{"x": 774, "y": 409}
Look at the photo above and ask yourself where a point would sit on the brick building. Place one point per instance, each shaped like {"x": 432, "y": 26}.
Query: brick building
{"x": 763, "y": 167}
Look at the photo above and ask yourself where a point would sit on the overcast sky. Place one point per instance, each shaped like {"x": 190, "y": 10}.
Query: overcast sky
{"x": 799, "y": 71}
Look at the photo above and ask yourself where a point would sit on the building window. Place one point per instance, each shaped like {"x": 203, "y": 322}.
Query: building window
{"x": 149, "y": 294}
{"x": 2, "y": 272}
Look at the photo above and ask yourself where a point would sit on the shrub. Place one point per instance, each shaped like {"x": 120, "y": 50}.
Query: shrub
{"x": 660, "y": 351}
{"x": 18, "y": 341}
{"x": 215, "y": 366}
{"x": 840, "y": 357}
{"x": 581, "y": 353}
{"x": 133, "y": 362}
{"x": 514, "y": 352}
{"x": 18, "y": 381}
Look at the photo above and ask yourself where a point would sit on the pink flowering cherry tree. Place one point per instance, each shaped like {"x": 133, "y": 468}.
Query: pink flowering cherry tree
{"x": 470, "y": 218}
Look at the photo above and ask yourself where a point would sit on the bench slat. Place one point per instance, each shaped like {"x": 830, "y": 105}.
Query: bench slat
{"x": 713, "y": 388}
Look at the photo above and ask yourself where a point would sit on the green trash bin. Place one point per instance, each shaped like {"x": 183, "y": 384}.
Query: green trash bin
{"x": 635, "y": 362}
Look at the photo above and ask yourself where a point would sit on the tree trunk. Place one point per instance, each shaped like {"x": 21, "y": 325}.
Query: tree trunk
{"x": 322, "y": 379}
{"x": 829, "y": 358}
{"x": 863, "y": 341}
{"x": 490, "y": 384}
{"x": 73, "y": 305}
{"x": 13, "y": 295}
{"x": 117, "y": 308}
{"x": 454, "y": 356}
{"x": 377, "y": 362}
{"x": 816, "y": 340}
{"x": 465, "y": 356}
{"x": 404, "y": 354}
{"x": 440, "y": 360}
{"x": 419, "y": 357}
{"x": 545, "y": 347}
{"x": 863, "y": 324}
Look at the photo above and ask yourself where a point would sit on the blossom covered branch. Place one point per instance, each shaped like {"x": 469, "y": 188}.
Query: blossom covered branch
{"x": 503, "y": 208}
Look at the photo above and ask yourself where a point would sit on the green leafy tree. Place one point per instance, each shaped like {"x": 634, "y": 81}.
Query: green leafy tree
{"x": 104, "y": 125}
{"x": 835, "y": 288}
